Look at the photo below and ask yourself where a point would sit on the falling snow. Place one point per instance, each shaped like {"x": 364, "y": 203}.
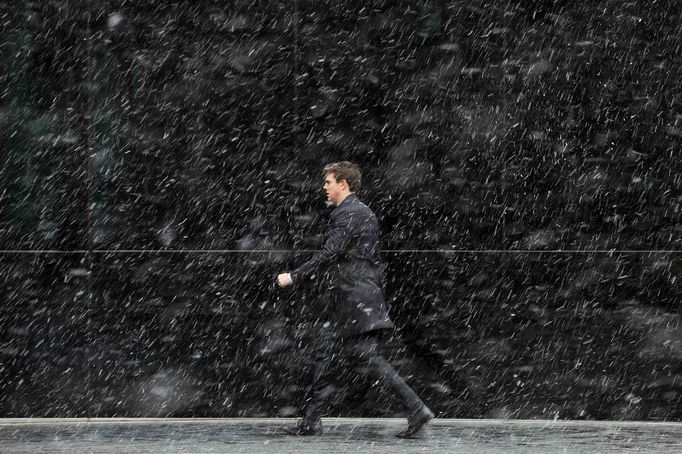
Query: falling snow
{"x": 161, "y": 164}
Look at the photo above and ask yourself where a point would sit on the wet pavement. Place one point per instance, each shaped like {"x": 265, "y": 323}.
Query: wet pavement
{"x": 342, "y": 435}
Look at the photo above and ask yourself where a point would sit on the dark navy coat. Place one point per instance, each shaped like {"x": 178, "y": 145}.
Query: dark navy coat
{"x": 351, "y": 259}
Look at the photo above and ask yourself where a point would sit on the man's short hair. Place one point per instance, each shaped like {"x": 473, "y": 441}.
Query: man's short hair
{"x": 345, "y": 170}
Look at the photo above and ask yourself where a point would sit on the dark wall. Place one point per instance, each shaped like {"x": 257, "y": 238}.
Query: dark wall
{"x": 161, "y": 164}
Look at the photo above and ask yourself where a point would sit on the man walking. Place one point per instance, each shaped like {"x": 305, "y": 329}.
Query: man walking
{"x": 356, "y": 312}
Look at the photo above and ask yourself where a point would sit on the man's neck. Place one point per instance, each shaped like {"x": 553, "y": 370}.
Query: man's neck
{"x": 344, "y": 198}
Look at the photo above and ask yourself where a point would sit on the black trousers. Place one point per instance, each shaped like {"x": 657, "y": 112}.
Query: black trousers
{"x": 362, "y": 352}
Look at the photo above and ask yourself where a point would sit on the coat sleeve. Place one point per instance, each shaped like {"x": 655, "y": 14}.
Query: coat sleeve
{"x": 337, "y": 241}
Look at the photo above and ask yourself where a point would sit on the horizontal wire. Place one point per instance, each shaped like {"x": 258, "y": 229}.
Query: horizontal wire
{"x": 386, "y": 251}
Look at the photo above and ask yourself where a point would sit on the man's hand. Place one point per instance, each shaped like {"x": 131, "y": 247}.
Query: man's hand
{"x": 284, "y": 280}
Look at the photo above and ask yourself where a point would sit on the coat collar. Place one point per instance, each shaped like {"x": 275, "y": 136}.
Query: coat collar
{"x": 349, "y": 198}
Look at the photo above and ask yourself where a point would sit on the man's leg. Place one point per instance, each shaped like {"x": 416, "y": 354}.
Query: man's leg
{"x": 320, "y": 389}
{"x": 366, "y": 350}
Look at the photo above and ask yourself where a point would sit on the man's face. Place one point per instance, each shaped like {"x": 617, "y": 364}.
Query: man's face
{"x": 335, "y": 190}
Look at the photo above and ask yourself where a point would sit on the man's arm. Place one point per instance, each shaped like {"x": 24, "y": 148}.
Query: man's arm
{"x": 337, "y": 241}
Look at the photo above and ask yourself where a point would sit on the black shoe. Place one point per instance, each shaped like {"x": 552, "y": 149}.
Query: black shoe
{"x": 304, "y": 429}
{"x": 416, "y": 422}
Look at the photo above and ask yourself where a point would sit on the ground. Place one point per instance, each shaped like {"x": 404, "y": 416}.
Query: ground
{"x": 195, "y": 436}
